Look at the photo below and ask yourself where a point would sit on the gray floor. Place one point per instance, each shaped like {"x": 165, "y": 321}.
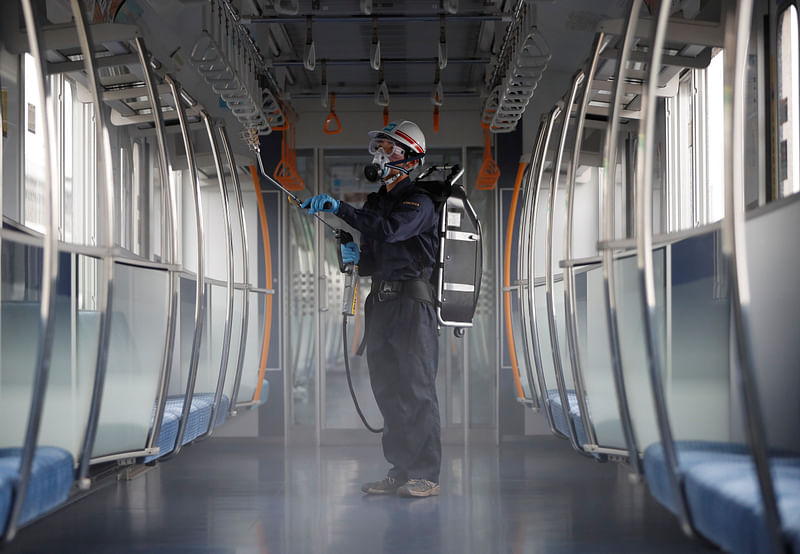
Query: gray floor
{"x": 243, "y": 495}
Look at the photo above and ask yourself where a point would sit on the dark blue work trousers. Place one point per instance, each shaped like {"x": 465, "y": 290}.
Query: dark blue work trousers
{"x": 403, "y": 358}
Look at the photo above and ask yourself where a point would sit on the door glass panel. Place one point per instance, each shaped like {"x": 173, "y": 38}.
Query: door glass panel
{"x": 301, "y": 353}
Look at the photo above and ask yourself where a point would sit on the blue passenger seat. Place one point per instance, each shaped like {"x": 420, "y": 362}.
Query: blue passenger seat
{"x": 199, "y": 416}
{"x": 723, "y": 492}
{"x": 51, "y": 479}
{"x": 560, "y": 421}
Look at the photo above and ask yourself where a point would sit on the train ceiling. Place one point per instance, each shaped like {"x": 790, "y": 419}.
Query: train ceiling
{"x": 409, "y": 34}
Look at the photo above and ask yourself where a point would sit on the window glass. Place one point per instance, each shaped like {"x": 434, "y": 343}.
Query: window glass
{"x": 695, "y": 165}
{"x": 34, "y": 200}
{"x": 788, "y": 125}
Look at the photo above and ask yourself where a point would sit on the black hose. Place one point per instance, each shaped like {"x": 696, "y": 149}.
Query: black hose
{"x": 350, "y": 381}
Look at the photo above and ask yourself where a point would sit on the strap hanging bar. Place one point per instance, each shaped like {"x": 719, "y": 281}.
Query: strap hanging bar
{"x": 332, "y": 118}
{"x": 375, "y": 48}
{"x": 324, "y": 95}
{"x": 437, "y": 96}
{"x": 442, "y": 43}
{"x": 309, "y": 54}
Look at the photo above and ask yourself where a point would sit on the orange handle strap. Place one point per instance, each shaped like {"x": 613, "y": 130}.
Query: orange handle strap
{"x": 489, "y": 173}
{"x": 512, "y": 213}
{"x": 385, "y": 116}
{"x": 332, "y": 118}
{"x": 436, "y": 119}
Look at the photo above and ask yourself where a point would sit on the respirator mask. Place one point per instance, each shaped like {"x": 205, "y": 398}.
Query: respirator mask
{"x": 385, "y": 154}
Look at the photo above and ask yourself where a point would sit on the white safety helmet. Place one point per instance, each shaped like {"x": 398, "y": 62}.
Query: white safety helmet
{"x": 406, "y": 134}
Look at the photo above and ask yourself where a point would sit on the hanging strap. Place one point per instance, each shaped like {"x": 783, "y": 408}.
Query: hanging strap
{"x": 332, "y": 117}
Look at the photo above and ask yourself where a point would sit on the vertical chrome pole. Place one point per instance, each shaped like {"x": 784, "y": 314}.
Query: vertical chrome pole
{"x": 237, "y": 189}
{"x": 172, "y": 254}
{"x": 558, "y": 367}
{"x": 200, "y": 290}
{"x": 537, "y": 190}
{"x": 644, "y": 256}
{"x": 49, "y": 276}
{"x": 609, "y": 170}
{"x": 226, "y": 216}
{"x": 737, "y": 38}
{"x": 569, "y": 271}
{"x": 105, "y": 298}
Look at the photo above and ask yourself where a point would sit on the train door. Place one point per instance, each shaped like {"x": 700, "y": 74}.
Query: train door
{"x": 321, "y": 404}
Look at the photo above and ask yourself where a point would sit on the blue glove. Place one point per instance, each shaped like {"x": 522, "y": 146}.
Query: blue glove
{"x": 350, "y": 254}
{"x": 317, "y": 204}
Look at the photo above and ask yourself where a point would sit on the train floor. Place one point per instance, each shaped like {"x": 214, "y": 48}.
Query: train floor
{"x": 246, "y": 495}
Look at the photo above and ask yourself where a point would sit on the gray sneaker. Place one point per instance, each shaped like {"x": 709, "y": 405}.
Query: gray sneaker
{"x": 388, "y": 486}
{"x": 418, "y": 487}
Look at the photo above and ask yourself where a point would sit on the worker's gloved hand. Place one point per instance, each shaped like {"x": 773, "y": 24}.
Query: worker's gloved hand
{"x": 321, "y": 203}
{"x": 350, "y": 254}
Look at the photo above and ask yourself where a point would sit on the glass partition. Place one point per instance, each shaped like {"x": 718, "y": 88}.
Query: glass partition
{"x": 598, "y": 374}
{"x": 561, "y": 329}
{"x": 72, "y": 366}
{"x": 633, "y": 350}
{"x": 135, "y": 356}
{"x": 212, "y": 342}
{"x": 185, "y": 335}
{"x": 697, "y": 376}
{"x": 236, "y": 339}
{"x": 543, "y": 332}
{"x": 253, "y": 347}
{"x": 773, "y": 265}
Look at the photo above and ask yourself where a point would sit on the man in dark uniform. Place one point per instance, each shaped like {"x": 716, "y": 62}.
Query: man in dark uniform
{"x": 399, "y": 245}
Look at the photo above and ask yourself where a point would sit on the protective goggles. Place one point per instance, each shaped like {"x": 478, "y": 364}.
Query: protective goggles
{"x": 387, "y": 146}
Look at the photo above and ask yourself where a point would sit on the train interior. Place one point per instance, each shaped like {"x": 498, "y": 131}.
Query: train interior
{"x": 176, "y": 357}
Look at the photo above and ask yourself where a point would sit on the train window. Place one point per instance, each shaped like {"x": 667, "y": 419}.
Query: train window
{"x": 788, "y": 102}
{"x": 695, "y": 170}
{"x": 35, "y": 183}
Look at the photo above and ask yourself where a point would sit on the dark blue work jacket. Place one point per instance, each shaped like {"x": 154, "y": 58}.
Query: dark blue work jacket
{"x": 399, "y": 237}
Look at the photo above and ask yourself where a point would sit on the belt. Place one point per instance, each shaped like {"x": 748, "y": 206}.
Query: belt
{"x": 418, "y": 289}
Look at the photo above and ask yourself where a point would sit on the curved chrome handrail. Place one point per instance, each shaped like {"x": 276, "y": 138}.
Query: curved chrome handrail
{"x": 558, "y": 368}
{"x": 200, "y": 287}
{"x": 237, "y": 189}
{"x": 537, "y": 351}
{"x": 737, "y": 34}
{"x": 105, "y": 298}
{"x": 523, "y": 263}
{"x": 169, "y": 184}
{"x": 609, "y": 167}
{"x": 49, "y": 277}
{"x": 569, "y": 272}
{"x": 647, "y": 280}
{"x": 226, "y": 216}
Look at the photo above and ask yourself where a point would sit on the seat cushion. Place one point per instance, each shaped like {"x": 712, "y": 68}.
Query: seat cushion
{"x": 690, "y": 454}
{"x": 560, "y": 421}
{"x": 51, "y": 479}
{"x": 725, "y": 502}
{"x": 166, "y": 436}
{"x": 6, "y": 488}
{"x": 199, "y": 413}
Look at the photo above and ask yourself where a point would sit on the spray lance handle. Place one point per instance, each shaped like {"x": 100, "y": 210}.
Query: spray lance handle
{"x": 350, "y": 270}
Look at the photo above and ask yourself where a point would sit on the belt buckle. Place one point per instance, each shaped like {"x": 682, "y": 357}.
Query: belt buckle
{"x": 387, "y": 291}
